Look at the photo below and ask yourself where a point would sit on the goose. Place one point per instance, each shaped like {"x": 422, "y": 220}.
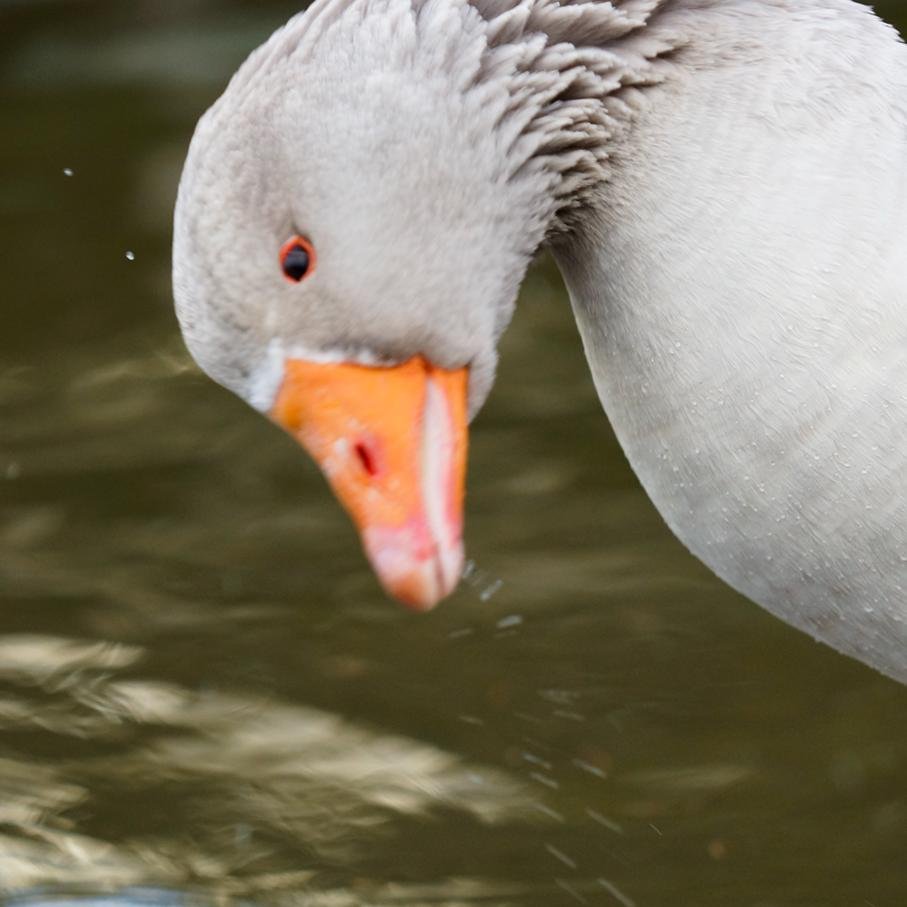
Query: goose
{"x": 723, "y": 185}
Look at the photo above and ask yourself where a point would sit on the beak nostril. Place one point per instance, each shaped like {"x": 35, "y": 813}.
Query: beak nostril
{"x": 366, "y": 458}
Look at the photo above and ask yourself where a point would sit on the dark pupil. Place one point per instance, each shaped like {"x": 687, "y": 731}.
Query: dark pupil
{"x": 296, "y": 263}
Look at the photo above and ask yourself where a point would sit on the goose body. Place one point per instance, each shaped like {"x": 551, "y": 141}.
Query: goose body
{"x": 724, "y": 186}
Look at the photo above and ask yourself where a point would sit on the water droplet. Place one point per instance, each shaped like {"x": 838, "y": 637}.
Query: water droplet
{"x": 560, "y": 855}
{"x": 551, "y": 813}
{"x": 130, "y": 255}
{"x": 491, "y": 590}
{"x": 569, "y": 889}
{"x": 591, "y": 769}
{"x": 68, "y": 171}
{"x": 604, "y": 820}
{"x": 471, "y": 719}
{"x": 512, "y": 620}
{"x": 544, "y": 779}
{"x": 532, "y": 759}
{"x": 616, "y": 893}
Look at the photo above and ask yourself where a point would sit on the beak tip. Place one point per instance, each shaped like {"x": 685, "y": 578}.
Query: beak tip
{"x": 425, "y": 587}
{"x": 421, "y": 605}
{"x": 420, "y": 585}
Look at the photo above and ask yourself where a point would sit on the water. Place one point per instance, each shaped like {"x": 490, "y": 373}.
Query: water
{"x": 205, "y": 698}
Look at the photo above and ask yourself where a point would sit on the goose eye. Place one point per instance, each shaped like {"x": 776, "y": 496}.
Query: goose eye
{"x": 297, "y": 258}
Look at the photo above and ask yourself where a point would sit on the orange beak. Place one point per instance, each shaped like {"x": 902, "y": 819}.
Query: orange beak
{"x": 392, "y": 443}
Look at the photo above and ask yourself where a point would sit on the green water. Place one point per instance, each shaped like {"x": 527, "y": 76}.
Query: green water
{"x": 202, "y": 689}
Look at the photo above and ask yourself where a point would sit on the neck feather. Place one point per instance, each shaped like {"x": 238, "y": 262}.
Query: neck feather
{"x": 573, "y": 75}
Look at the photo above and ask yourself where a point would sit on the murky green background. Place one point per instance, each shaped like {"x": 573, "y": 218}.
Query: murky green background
{"x": 202, "y": 690}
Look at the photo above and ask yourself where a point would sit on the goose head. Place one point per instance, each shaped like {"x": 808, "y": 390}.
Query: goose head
{"x": 351, "y": 232}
